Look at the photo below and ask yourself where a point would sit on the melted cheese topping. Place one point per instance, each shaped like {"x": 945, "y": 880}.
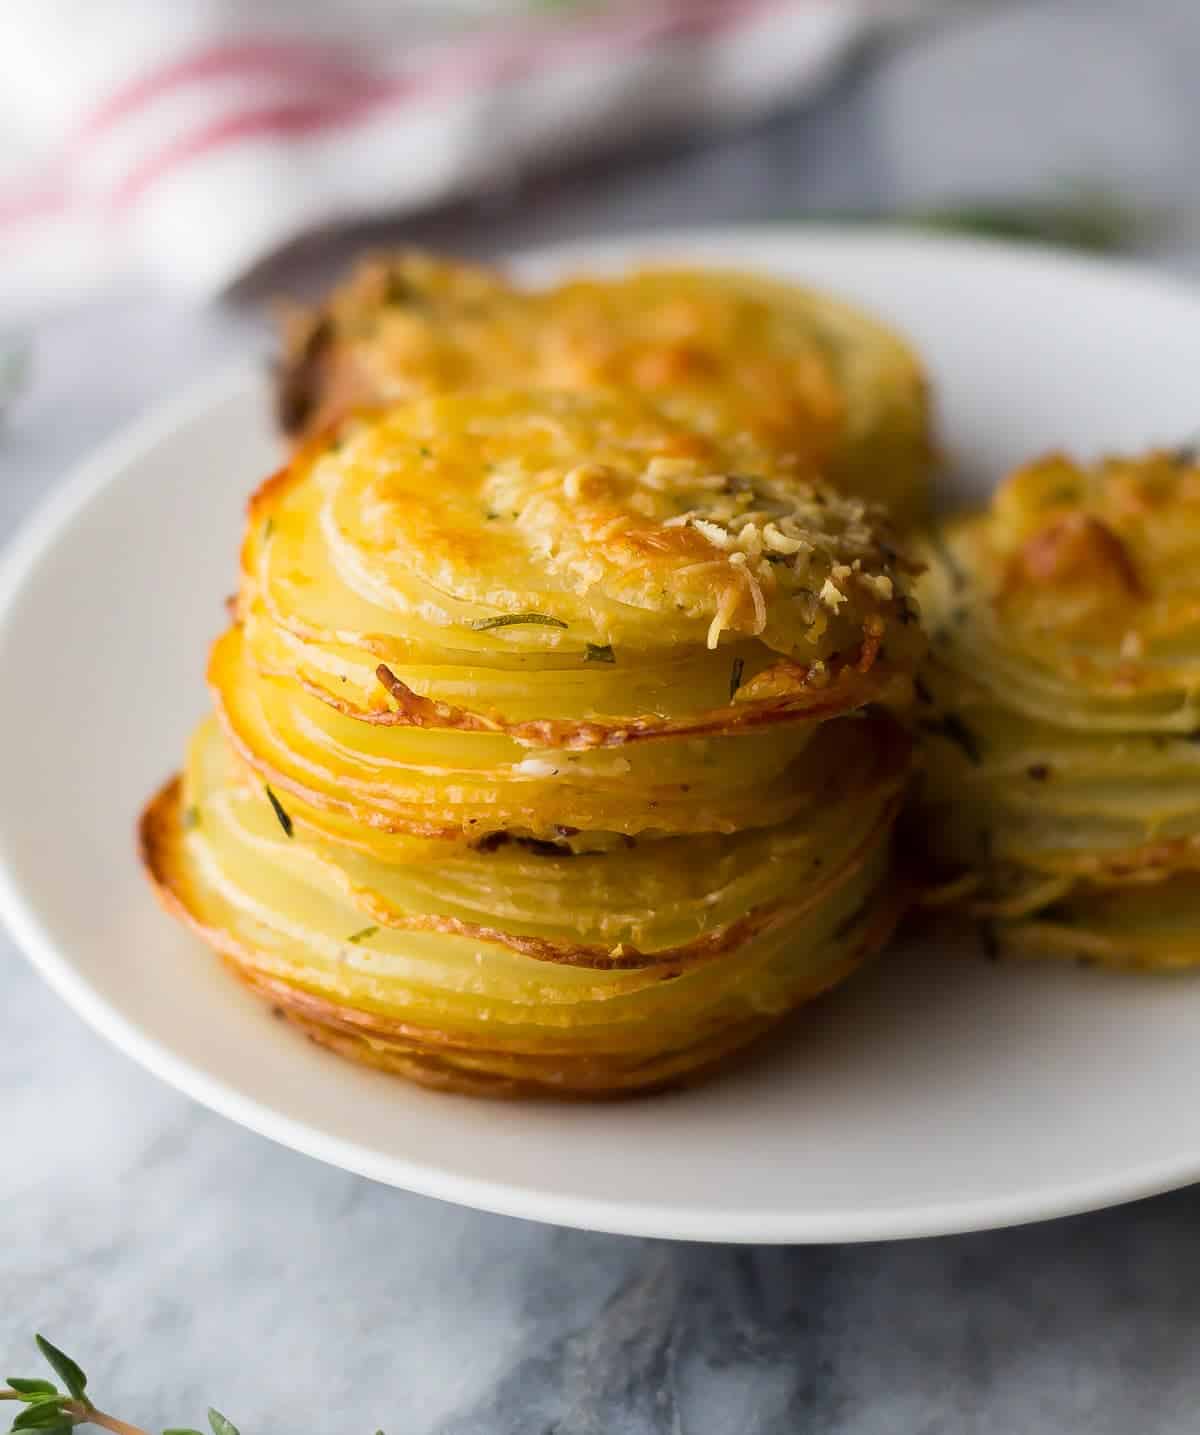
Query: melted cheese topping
{"x": 538, "y": 518}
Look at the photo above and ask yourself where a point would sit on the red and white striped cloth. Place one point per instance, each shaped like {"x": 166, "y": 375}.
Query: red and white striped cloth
{"x": 191, "y": 138}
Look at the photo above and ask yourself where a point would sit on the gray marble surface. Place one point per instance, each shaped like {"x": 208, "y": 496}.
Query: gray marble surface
{"x": 187, "y": 1261}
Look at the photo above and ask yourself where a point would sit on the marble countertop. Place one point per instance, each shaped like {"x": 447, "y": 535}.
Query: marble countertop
{"x": 188, "y": 1262}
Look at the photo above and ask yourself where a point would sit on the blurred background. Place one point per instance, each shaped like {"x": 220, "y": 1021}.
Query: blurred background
{"x": 167, "y": 167}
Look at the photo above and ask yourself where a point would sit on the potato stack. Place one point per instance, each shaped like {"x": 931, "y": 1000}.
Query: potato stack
{"x": 825, "y": 387}
{"x": 551, "y": 751}
{"x": 1061, "y": 785}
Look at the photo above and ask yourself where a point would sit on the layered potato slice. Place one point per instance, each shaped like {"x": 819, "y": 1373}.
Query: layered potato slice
{"x": 1059, "y": 716}
{"x": 815, "y": 383}
{"x": 517, "y": 969}
{"x": 552, "y": 753}
{"x": 487, "y": 612}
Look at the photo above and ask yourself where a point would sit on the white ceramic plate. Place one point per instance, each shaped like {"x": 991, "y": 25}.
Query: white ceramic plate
{"x": 936, "y": 1093}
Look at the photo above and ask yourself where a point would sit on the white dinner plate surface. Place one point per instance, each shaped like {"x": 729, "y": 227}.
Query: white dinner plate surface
{"x": 934, "y": 1093}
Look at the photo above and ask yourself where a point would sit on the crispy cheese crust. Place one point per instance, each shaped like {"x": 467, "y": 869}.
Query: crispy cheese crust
{"x": 1061, "y": 712}
{"x": 797, "y": 375}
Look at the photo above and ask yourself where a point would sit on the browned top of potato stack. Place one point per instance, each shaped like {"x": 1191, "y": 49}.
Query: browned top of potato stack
{"x": 568, "y": 531}
{"x": 810, "y": 381}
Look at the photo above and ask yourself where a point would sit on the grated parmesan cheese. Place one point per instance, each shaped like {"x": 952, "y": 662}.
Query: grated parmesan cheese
{"x": 831, "y": 596}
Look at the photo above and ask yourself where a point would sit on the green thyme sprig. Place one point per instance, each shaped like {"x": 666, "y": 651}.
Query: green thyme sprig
{"x": 48, "y": 1410}
{"x": 1078, "y": 216}
{"x": 54, "y": 1411}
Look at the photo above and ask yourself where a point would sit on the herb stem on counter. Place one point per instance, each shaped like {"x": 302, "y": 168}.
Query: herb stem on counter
{"x": 49, "y": 1410}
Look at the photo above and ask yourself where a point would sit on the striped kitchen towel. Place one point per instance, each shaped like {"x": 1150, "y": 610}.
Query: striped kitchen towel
{"x": 192, "y": 138}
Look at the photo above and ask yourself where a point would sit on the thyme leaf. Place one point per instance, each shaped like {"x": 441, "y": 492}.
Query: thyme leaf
{"x": 953, "y": 729}
{"x": 284, "y": 820}
{"x": 65, "y": 1368}
{"x": 509, "y": 620}
{"x": 735, "y": 676}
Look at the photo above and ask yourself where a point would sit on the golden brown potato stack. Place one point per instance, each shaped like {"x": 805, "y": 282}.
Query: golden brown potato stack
{"x": 1061, "y": 785}
{"x": 551, "y": 751}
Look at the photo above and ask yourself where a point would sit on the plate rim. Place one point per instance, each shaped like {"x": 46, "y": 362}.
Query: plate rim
{"x": 36, "y": 536}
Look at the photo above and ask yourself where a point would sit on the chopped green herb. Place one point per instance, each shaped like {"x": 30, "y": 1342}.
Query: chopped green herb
{"x": 1067, "y": 493}
{"x": 953, "y": 729}
{"x": 426, "y": 451}
{"x": 284, "y": 820}
{"x": 958, "y": 579}
{"x": 599, "y": 653}
{"x": 268, "y": 528}
{"x": 1055, "y": 912}
{"x": 735, "y": 676}
{"x": 191, "y": 817}
{"x": 508, "y": 620}
{"x": 398, "y": 290}
{"x": 847, "y": 924}
{"x": 361, "y": 936}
